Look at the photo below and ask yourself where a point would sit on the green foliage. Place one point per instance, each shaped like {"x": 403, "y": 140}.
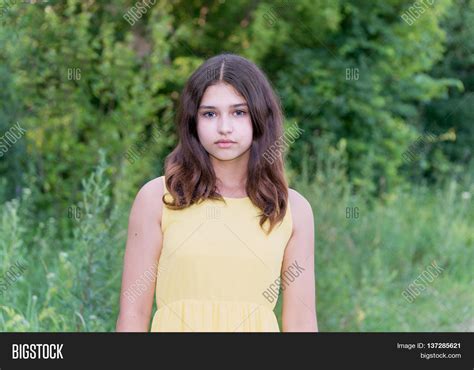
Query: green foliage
{"x": 361, "y": 82}
{"x": 352, "y": 70}
{"x": 84, "y": 88}
{"x": 454, "y": 113}
{"x": 71, "y": 284}
{"x": 365, "y": 260}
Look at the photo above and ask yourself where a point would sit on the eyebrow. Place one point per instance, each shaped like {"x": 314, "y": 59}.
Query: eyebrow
{"x": 212, "y": 107}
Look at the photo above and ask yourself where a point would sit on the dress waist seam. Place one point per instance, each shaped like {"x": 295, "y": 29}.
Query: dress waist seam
{"x": 212, "y": 301}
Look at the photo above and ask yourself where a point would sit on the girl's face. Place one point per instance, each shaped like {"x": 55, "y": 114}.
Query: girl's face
{"x": 223, "y": 122}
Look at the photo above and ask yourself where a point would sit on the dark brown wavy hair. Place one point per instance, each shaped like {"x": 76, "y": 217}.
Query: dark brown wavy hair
{"x": 190, "y": 177}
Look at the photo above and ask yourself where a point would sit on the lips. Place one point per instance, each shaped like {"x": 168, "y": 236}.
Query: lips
{"x": 224, "y": 141}
{"x": 223, "y": 144}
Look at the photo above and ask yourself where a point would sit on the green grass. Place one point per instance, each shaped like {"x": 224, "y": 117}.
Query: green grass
{"x": 363, "y": 264}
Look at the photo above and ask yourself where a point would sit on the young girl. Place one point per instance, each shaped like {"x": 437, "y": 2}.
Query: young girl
{"x": 220, "y": 232}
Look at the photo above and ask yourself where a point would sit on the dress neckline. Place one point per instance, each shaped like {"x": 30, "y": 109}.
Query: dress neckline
{"x": 227, "y": 198}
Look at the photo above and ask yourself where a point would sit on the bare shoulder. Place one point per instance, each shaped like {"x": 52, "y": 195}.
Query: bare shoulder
{"x": 298, "y": 202}
{"x": 148, "y": 201}
{"x": 301, "y": 210}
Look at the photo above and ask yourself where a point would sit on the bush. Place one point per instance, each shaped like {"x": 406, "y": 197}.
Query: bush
{"x": 366, "y": 259}
{"x": 70, "y": 284}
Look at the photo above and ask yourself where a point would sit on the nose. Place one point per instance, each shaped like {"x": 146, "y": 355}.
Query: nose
{"x": 224, "y": 125}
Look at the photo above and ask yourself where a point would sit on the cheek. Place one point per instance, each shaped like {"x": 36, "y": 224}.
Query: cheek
{"x": 247, "y": 132}
{"x": 202, "y": 131}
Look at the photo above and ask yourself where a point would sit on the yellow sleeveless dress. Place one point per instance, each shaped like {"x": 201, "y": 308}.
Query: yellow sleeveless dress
{"x": 215, "y": 266}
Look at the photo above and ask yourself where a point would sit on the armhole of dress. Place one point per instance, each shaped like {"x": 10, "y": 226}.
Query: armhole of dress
{"x": 164, "y": 218}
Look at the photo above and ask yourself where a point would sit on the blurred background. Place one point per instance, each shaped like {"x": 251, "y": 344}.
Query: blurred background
{"x": 382, "y": 89}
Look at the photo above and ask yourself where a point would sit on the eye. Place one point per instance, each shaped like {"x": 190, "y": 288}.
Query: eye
{"x": 240, "y": 112}
{"x": 208, "y": 114}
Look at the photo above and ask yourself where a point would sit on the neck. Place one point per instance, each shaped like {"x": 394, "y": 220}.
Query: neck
{"x": 231, "y": 175}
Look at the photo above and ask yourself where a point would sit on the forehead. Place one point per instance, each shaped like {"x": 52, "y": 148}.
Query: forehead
{"x": 221, "y": 95}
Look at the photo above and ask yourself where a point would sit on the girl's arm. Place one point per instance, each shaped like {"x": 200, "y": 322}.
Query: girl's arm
{"x": 297, "y": 274}
{"x": 141, "y": 259}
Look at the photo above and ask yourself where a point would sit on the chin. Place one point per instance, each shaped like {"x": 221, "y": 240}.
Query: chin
{"x": 225, "y": 156}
